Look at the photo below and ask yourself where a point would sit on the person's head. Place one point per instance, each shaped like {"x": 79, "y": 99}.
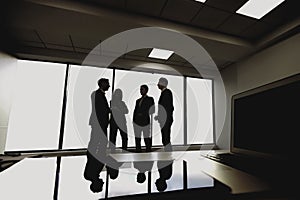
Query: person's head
{"x": 161, "y": 185}
{"x": 117, "y": 95}
{"x": 103, "y": 84}
{"x": 97, "y": 186}
{"x": 144, "y": 90}
{"x": 162, "y": 83}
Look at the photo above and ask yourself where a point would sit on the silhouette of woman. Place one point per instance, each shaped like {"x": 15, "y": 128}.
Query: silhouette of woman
{"x": 118, "y": 120}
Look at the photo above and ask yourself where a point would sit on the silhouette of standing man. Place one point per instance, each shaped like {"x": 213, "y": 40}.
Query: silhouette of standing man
{"x": 96, "y": 152}
{"x": 165, "y": 113}
{"x": 165, "y": 120}
{"x": 118, "y": 120}
{"x": 144, "y": 107}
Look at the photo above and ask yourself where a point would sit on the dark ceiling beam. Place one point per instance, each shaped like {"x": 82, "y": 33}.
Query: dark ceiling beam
{"x": 278, "y": 33}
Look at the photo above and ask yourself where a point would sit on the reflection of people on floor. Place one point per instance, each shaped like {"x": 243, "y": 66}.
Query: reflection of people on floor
{"x": 142, "y": 168}
{"x": 118, "y": 120}
{"x": 165, "y": 170}
{"x": 144, "y": 107}
{"x": 96, "y": 151}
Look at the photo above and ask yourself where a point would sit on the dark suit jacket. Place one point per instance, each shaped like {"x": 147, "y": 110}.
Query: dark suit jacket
{"x": 165, "y": 101}
{"x": 141, "y": 114}
{"x": 100, "y": 110}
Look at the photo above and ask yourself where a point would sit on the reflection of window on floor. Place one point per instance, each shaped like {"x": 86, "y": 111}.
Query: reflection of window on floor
{"x": 176, "y": 180}
{"x": 195, "y": 178}
{"x": 72, "y": 184}
{"x": 126, "y": 184}
{"x": 31, "y": 178}
{"x": 34, "y": 178}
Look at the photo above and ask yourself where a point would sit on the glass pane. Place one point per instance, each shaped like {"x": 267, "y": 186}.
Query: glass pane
{"x": 129, "y": 82}
{"x": 175, "y": 182}
{"x": 32, "y": 178}
{"x": 35, "y": 117}
{"x": 82, "y": 82}
{"x": 72, "y": 184}
{"x": 196, "y": 178}
{"x": 126, "y": 183}
{"x": 199, "y": 111}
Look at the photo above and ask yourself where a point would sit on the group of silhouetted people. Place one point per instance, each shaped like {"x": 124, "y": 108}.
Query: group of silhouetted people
{"x": 103, "y": 115}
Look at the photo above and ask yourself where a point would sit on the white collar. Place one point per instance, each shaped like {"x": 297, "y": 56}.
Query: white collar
{"x": 102, "y": 91}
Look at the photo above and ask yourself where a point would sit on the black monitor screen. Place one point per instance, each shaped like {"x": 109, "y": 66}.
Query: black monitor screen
{"x": 266, "y": 120}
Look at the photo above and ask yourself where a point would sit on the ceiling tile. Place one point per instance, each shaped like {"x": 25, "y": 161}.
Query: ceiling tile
{"x": 188, "y": 64}
{"x": 134, "y": 57}
{"x": 210, "y": 17}
{"x": 84, "y": 41}
{"x": 55, "y": 38}
{"x": 140, "y": 52}
{"x": 257, "y": 30}
{"x": 83, "y": 50}
{"x": 228, "y": 5}
{"x": 25, "y": 35}
{"x": 32, "y": 44}
{"x": 169, "y": 62}
{"x": 181, "y": 10}
{"x": 152, "y": 7}
{"x": 59, "y": 47}
{"x": 176, "y": 58}
{"x": 236, "y": 24}
{"x": 286, "y": 11}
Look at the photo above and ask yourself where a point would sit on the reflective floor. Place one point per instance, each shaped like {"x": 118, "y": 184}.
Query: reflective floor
{"x": 34, "y": 178}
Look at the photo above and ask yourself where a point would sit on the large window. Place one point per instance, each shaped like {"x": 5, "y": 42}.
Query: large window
{"x": 34, "y": 121}
{"x": 82, "y": 82}
{"x": 199, "y": 111}
{"x": 37, "y": 108}
{"x": 130, "y": 81}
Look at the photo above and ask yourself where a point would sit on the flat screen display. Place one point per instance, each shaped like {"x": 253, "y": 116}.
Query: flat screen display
{"x": 266, "y": 120}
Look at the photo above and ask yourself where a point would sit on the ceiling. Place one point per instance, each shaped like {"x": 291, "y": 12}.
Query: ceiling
{"x": 66, "y": 31}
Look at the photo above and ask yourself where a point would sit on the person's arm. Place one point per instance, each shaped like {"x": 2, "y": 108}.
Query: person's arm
{"x": 152, "y": 107}
{"x": 99, "y": 107}
{"x": 135, "y": 110}
{"x": 124, "y": 108}
{"x": 167, "y": 102}
{"x": 171, "y": 105}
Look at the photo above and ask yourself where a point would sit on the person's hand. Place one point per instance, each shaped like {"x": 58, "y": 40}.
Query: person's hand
{"x": 156, "y": 117}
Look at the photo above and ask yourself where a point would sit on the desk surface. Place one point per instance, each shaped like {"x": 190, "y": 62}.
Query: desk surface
{"x": 239, "y": 181}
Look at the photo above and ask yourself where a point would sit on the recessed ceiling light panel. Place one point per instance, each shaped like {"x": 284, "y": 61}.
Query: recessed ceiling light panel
{"x": 258, "y": 8}
{"x": 160, "y": 54}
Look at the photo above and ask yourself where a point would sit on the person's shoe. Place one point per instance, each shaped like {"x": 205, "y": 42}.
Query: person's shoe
{"x": 138, "y": 150}
{"x": 161, "y": 185}
{"x": 148, "y": 149}
{"x": 97, "y": 186}
{"x": 141, "y": 177}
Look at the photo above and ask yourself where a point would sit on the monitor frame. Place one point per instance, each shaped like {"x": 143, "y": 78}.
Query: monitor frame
{"x": 271, "y": 85}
